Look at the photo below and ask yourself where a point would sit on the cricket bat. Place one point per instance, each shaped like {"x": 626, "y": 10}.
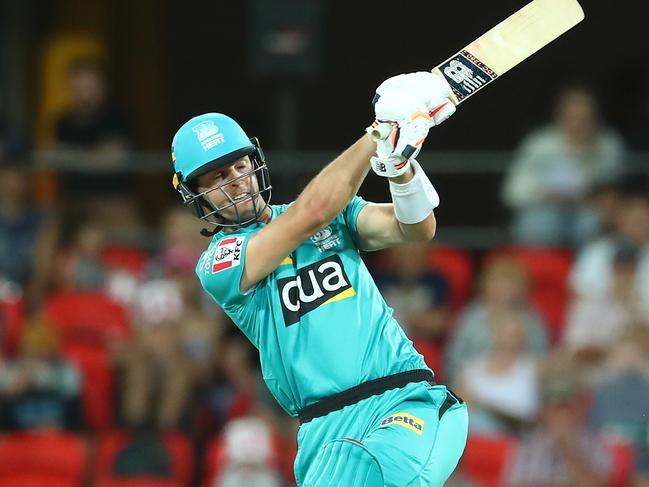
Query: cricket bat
{"x": 507, "y": 44}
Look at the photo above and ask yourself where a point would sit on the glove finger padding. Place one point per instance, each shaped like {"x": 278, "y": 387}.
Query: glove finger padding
{"x": 403, "y": 142}
{"x": 387, "y": 163}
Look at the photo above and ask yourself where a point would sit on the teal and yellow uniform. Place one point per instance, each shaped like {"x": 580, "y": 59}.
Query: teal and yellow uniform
{"x": 321, "y": 327}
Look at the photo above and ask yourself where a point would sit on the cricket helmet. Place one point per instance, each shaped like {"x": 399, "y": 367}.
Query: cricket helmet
{"x": 208, "y": 142}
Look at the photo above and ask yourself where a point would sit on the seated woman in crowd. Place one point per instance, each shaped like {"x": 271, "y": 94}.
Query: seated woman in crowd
{"x": 500, "y": 386}
{"x": 39, "y": 389}
{"x": 502, "y": 284}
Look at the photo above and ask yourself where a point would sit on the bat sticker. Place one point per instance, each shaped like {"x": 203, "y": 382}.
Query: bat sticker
{"x": 466, "y": 74}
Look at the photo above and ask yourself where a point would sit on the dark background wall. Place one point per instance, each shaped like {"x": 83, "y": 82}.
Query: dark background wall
{"x": 364, "y": 42}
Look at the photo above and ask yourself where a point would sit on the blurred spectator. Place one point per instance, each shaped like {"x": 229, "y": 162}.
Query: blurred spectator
{"x": 420, "y": 298}
{"x": 175, "y": 340}
{"x": 118, "y": 215}
{"x": 555, "y": 169}
{"x": 92, "y": 124}
{"x": 501, "y": 386}
{"x": 605, "y": 199}
{"x": 80, "y": 265}
{"x": 592, "y": 275}
{"x": 594, "y": 322}
{"x": 28, "y": 236}
{"x": 459, "y": 479}
{"x": 91, "y": 138}
{"x": 250, "y": 455}
{"x": 40, "y": 389}
{"x": 236, "y": 389}
{"x": 418, "y": 295}
{"x": 144, "y": 455}
{"x": 562, "y": 450}
{"x": 157, "y": 373}
{"x": 157, "y": 376}
{"x": 621, "y": 400}
{"x": 12, "y": 142}
{"x": 502, "y": 285}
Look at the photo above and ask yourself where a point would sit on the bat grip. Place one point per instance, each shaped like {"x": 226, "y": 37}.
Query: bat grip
{"x": 381, "y": 131}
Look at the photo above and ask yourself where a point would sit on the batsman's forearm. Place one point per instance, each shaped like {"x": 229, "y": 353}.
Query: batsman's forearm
{"x": 334, "y": 187}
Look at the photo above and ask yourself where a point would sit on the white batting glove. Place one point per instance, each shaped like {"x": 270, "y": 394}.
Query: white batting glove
{"x": 406, "y": 107}
{"x": 403, "y": 142}
{"x": 424, "y": 87}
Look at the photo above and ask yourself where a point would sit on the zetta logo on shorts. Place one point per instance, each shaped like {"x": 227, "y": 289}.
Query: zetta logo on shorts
{"x": 406, "y": 420}
{"x": 320, "y": 283}
{"x": 228, "y": 254}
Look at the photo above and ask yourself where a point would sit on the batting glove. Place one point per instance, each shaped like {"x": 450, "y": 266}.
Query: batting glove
{"x": 402, "y": 143}
{"x": 426, "y": 88}
{"x": 406, "y": 107}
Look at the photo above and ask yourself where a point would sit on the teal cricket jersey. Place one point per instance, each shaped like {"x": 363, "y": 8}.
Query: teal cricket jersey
{"x": 319, "y": 321}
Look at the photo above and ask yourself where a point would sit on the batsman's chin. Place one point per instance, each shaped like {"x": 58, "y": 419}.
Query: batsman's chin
{"x": 240, "y": 211}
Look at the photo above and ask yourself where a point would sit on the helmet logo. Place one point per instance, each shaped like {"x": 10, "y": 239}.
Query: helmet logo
{"x": 208, "y": 134}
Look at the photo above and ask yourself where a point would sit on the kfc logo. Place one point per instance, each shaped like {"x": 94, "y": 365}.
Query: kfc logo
{"x": 227, "y": 254}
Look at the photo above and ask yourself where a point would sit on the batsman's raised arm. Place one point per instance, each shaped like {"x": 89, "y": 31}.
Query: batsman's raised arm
{"x": 323, "y": 198}
{"x": 406, "y": 107}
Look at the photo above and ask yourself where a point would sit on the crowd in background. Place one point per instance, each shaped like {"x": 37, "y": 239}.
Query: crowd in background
{"x": 105, "y": 333}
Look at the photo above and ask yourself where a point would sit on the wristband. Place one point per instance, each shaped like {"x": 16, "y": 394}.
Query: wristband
{"x": 416, "y": 199}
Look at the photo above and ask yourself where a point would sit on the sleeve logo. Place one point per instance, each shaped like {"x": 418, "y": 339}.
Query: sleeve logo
{"x": 228, "y": 254}
{"x": 406, "y": 420}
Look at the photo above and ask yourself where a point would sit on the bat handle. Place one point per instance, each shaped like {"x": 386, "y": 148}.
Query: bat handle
{"x": 381, "y": 131}
{"x": 452, "y": 96}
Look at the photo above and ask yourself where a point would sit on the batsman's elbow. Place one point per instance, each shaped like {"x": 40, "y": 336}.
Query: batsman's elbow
{"x": 423, "y": 231}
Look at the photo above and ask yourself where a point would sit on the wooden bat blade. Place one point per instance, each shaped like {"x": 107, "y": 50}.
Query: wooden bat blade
{"x": 508, "y": 44}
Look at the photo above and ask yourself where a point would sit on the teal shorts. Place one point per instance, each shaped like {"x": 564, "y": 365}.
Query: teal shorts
{"x": 403, "y": 440}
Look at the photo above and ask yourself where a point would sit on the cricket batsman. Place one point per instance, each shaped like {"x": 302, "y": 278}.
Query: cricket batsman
{"x": 292, "y": 279}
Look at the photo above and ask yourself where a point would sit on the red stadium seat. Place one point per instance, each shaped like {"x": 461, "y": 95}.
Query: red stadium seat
{"x": 548, "y": 269}
{"x": 12, "y": 317}
{"x": 130, "y": 259}
{"x": 138, "y": 482}
{"x": 486, "y": 457}
{"x": 457, "y": 266}
{"x": 95, "y": 366}
{"x": 623, "y": 462}
{"x": 179, "y": 447}
{"x": 433, "y": 356}
{"x": 25, "y": 457}
{"x": 88, "y": 317}
{"x": 35, "y": 480}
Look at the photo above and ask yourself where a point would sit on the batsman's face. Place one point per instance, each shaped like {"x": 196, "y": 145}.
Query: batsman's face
{"x": 235, "y": 181}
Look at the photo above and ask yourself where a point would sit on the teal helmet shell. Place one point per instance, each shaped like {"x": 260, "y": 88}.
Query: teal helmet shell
{"x": 206, "y": 142}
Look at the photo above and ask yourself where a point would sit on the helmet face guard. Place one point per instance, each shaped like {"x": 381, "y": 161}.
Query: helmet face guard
{"x": 207, "y": 211}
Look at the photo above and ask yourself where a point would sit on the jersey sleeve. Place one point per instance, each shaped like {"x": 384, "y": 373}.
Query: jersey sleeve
{"x": 350, "y": 215}
{"x": 220, "y": 269}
